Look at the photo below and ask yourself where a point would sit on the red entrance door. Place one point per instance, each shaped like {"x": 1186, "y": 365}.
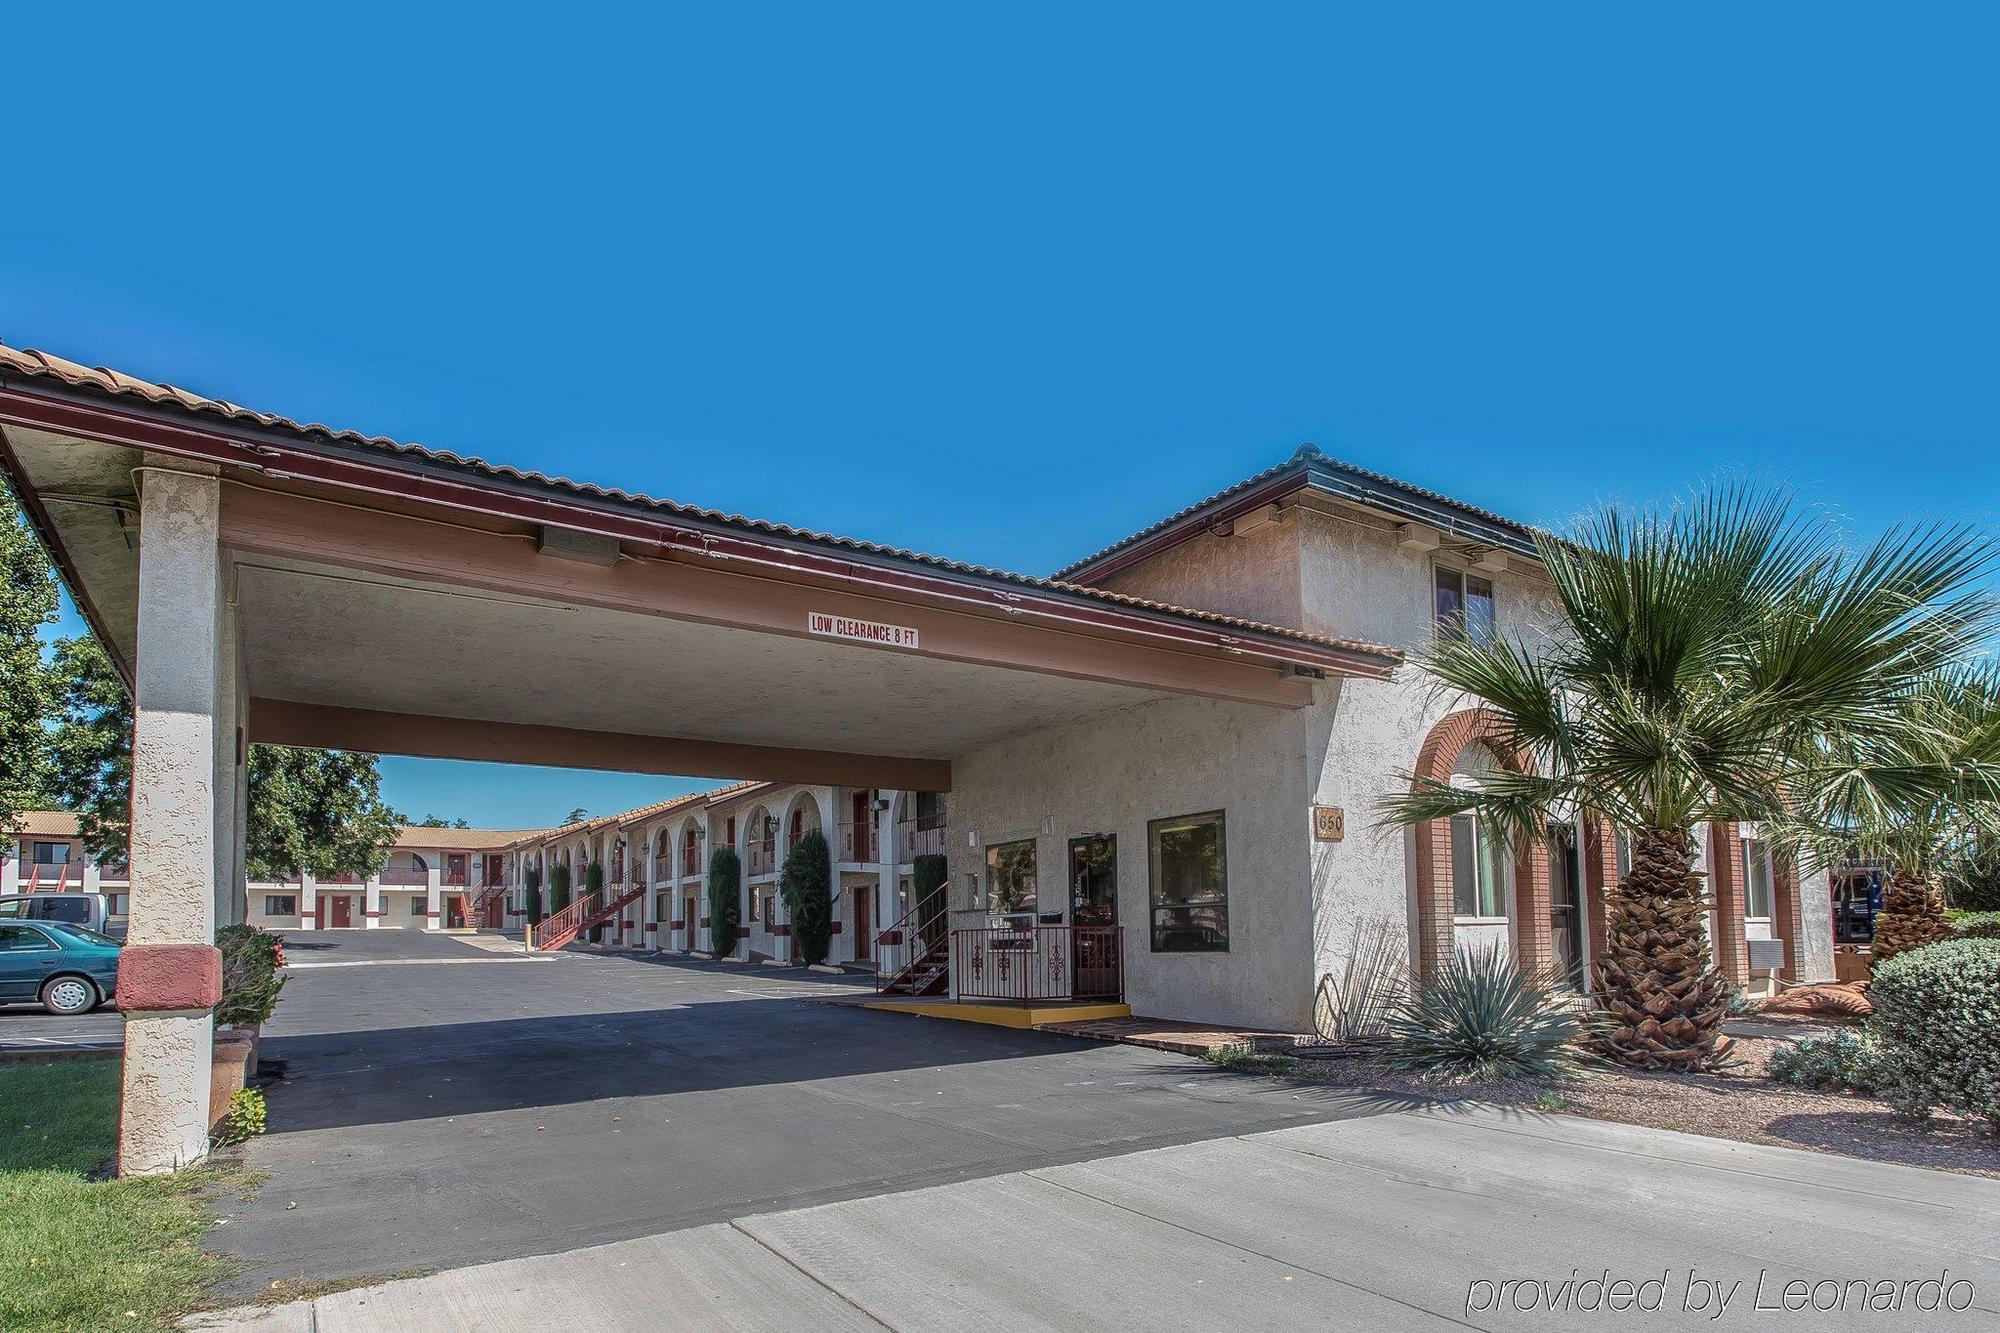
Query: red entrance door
{"x": 690, "y": 923}
{"x": 340, "y": 911}
{"x": 454, "y": 911}
{"x": 864, "y": 924}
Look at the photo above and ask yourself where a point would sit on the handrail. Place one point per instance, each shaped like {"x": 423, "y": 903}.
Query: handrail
{"x": 1028, "y": 964}
{"x": 580, "y": 915}
{"x": 911, "y": 941}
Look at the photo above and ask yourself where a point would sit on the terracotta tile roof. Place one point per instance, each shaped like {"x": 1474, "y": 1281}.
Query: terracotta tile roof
{"x": 45, "y": 823}
{"x": 460, "y": 839}
{"x": 1313, "y": 466}
{"x": 627, "y": 818}
{"x": 41, "y": 365}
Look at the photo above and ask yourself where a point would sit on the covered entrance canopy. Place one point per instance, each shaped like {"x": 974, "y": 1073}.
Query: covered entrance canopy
{"x": 302, "y": 585}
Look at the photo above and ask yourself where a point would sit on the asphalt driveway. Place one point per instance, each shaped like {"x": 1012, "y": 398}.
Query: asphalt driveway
{"x": 445, "y": 1105}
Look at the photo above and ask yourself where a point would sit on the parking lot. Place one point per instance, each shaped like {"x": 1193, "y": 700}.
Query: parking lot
{"x": 445, "y": 1105}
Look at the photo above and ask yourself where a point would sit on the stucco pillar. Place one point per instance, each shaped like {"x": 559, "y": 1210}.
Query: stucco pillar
{"x": 10, "y": 868}
{"x": 170, "y": 972}
{"x": 371, "y": 902}
{"x": 90, "y": 876}
{"x": 649, "y": 901}
{"x": 433, "y": 898}
{"x": 308, "y": 902}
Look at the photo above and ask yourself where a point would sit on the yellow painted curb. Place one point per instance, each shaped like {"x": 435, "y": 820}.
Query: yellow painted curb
{"x": 1003, "y": 1015}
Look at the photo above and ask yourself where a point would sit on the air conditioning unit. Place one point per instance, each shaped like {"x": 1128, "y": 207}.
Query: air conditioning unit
{"x": 1767, "y": 955}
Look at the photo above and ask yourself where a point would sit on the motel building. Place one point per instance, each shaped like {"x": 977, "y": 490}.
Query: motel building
{"x": 1159, "y": 768}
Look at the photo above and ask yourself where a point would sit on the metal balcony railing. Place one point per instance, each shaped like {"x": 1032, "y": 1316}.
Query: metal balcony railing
{"x": 1036, "y": 964}
{"x": 858, "y": 842}
{"x": 919, "y": 837}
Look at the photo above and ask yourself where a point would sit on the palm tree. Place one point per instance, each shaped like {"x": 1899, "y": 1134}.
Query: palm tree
{"x": 1924, "y": 806}
{"x": 1700, "y": 651}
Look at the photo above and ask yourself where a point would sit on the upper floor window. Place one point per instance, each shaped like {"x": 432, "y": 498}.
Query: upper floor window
{"x": 1462, "y": 603}
{"x": 51, "y": 853}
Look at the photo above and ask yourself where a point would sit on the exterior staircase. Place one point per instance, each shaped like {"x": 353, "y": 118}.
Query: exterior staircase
{"x": 592, "y": 909}
{"x": 914, "y": 955}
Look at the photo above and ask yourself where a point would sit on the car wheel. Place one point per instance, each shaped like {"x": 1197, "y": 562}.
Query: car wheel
{"x": 68, "y": 995}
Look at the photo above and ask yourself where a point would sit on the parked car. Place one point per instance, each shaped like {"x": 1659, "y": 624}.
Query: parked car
{"x": 69, "y": 969}
{"x": 90, "y": 910}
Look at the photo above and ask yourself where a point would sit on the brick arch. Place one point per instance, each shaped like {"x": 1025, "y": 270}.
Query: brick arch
{"x": 1436, "y": 932}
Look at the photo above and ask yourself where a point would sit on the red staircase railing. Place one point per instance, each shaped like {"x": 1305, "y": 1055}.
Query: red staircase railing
{"x": 592, "y": 909}
{"x": 913, "y": 957}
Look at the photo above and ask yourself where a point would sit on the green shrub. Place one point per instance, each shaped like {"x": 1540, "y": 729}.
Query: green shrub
{"x": 1974, "y": 925}
{"x": 558, "y": 887}
{"x": 1937, "y": 1012}
{"x": 531, "y": 893}
{"x": 725, "y": 884}
{"x": 243, "y": 1120}
{"x": 806, "y": 882}
{"x": 251, "y": 959}
{"x": 1843, "y": 1058}
{"x": 593, "y": 889}
{"x": 1482, "y": 1017}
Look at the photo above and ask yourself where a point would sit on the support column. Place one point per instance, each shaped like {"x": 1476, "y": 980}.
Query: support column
{"x": 433, "y": 898}
{"x": 170, "y": 972}
{"x": 371, "y": 902}
{"x": 1726, "y": 878}
{"x": 308, "y": 902}
{"x": 649, "y": 911}
{"x": 10, "y": 868}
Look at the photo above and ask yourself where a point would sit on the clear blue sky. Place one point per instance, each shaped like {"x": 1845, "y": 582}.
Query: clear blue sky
{"x": 1009, "y": 282}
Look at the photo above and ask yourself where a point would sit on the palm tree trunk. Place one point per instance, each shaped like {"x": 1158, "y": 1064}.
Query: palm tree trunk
{"x": 1912, "y": 916}
{"x": 1662, "y": 998}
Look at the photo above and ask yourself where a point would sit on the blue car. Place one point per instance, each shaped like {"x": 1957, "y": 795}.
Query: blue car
{"x": 69, "y": 969}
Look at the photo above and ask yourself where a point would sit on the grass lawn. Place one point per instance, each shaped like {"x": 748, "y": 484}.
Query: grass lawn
{"x": 84, "y": 1254}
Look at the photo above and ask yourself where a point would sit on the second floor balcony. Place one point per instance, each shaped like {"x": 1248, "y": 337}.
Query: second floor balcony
{"x": 923, "y": 836}
{"x": 858, "y": 842}
{"x": 761, "y": 858}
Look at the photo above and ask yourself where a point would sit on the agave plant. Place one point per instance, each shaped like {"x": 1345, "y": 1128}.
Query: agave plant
{"x": 1482, "y": 1017}
{"x": 1703, "y": 654}
{"x": 1356, "y": 1003}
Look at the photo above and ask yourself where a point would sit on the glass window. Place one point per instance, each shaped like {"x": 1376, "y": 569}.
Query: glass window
{"x": 1478, "y": 870}
{"x": 1189, "y": 867}
{"x": 1624, "y": 856}
{"x": 417, "y": 907}
{"x": 22, "y": 939}
{"x": 51, "y": 853}
{"x": 84, "y": 933}
{"x": 1010, "y": 876}
{"x": 1463, "y": 604}
{"x": 281, "y": 904}
{"x": 1756, "y": 880}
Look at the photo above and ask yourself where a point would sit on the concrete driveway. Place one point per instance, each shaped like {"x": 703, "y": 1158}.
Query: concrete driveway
{"x": 445, "y": 1105}
{"x": 1410, "y": 1220}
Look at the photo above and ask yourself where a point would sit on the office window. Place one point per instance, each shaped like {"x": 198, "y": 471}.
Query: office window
{"x": 51, "y": 854}
{"x": 281, "y": 904}
{"x": 1010, "y": 876}
{"x": 1189, "y": 889}
{"x": 1463, "y": 604}
{"x": 1756, "y": 880}
{"x": 417, "y": 906}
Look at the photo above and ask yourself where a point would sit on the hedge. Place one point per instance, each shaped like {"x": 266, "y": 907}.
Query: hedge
{"x": 805, "y": 882}
{"x": 725, "y": 882}
{"x": 1937, "y": 1010}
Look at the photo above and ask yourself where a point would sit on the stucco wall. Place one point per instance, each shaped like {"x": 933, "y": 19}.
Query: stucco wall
{"x": 1255, "y": 576}
{"x": 1114, "y": 773}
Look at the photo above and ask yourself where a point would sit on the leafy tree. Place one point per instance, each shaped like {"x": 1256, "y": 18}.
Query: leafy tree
{"x": 1702, "y": 654}
{"x": 725, "y": 882}
{"x": 531, "y": 892}
{"x": 558, "y": 887}
{"x": 439, "y": 821}
{"x": 27, "y": 602}
{"x": 576, "y": 816}
{"x": 805, "y": 881}
{"x": 316, "y": 811}
{"x": 90, "y": 746}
